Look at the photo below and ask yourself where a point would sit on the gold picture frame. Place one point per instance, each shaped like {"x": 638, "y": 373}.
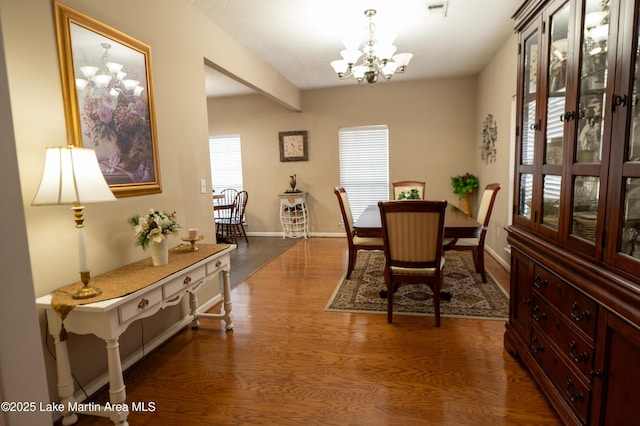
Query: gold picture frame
{"x": 108, "y": 100}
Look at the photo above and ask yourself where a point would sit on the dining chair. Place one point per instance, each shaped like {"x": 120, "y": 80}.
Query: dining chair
{"x": 476, "y": 245}
{"x": 233, "y": 226}
{"x": 406, "y": 186}
{"x": 355, "y": 242}
{"x": 222, "y": 205}
{"x": 412, "y": 233}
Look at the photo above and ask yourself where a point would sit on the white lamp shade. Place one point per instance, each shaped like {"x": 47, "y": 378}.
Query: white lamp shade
{"x": 384, "y": 51}
{"x": 72, "y": 175}
{"x": 351, "y": 56}
{"x": 340, "y": 66}
{"x": 402, "y": 59}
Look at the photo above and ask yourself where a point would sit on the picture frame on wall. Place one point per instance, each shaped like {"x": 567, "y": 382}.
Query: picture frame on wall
{"x": 293, "y": 146}
{"x": 108, "y": 100}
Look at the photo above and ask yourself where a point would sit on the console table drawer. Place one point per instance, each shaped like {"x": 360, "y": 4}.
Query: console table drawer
{"x": 184, "y": 280}
{"x": 140, "y": 304}
{"x": 216, "y": 265}
{"x": 577, "y": 307}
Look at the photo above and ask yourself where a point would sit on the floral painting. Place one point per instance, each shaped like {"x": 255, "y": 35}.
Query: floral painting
{"x": 109, "y": 103}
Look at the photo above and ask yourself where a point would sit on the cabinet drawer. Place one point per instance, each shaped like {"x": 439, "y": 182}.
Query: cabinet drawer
{"x": 579, "y": 309}
{"x": 292, "y": 201}
{"x": 184, "y": 280}
{"x": 576, "y": 349}
{"x": 215, "y": 265}
{"x": 140, "y": 304}
{"x": 572, "y": 388}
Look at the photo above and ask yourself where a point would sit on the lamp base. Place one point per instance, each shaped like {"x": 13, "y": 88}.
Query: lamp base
{"x": 86, "y": 292}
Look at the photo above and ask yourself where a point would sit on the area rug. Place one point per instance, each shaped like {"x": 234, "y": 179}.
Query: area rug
{"x": 470, "y": 297}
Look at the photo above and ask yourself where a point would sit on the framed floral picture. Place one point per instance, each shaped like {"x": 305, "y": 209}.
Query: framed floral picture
{"x": 108, "y": 100}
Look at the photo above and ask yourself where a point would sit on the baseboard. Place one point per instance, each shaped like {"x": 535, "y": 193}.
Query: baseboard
{"x": 498, "y": 259}
{"x": 311, "y": 234}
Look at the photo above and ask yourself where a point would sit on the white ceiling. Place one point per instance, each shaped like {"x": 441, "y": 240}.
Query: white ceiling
{"x": 300, "y": 38}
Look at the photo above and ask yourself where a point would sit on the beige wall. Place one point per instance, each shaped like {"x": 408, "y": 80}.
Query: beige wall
{"x": 180, "y": 39}
{"x": 433, "y": 131}
{"x": 431, "y": 137}
{"x": 496, "y": 89}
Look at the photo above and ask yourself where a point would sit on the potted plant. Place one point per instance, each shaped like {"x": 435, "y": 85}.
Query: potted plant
{"x": 463, "y": 186}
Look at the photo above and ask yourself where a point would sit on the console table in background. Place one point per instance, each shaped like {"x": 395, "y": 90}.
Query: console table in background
{"x": 294, "y": 215}
{"x": 160, "y": 287}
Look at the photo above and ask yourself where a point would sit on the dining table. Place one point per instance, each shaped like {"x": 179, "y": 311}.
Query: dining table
{"x": 457, "y": 224}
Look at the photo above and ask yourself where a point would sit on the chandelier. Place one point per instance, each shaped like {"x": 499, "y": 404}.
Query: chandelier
{"x": 109, "y": 77}
{"x": 377, "y": 57}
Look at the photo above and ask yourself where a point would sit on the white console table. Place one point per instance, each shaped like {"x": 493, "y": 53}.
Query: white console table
{"x": 294, "y": 216}
{"x": 108, "y": 319}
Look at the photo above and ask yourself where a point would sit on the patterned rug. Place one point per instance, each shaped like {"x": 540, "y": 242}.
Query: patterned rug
{"x": 471, "y": 298}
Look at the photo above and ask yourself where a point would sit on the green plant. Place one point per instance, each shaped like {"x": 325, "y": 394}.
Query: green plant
{"x": 464, "y": 185}
{"x": 409, "y": 195}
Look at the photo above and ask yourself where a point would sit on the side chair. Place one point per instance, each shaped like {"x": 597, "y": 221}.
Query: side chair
{"x": 407, "y": 186}
{"x": 355, "y": 243}
{"x": 233, "y": 226}
{"x": 412, "y": 234}
{"x": 476, "y": 245}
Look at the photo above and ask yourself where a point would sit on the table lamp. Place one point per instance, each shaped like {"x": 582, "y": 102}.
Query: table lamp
{"x": 72, "y": 176}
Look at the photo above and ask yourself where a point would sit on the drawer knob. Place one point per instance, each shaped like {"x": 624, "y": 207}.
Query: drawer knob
{"x": 143, "y": 303}
{"x": 582, "y": 315}
{"x": 577, "y": 357}
{"x": 535, "y": 348}
{"x": 538, "y": 316}
{"x": 187, "y": 280}
{"x": 218, "y": 263}
{"x": 538, "y": 282}
{"x": 578, "y": 396}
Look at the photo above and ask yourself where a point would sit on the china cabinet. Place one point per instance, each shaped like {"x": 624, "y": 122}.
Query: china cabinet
{"x": 575, "y": 236}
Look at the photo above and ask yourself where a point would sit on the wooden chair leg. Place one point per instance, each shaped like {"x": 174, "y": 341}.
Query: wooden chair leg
{"x": 389, "y": 303}
{"x": 436, "y": 300}
{"x": 352, "y": 263}
{"x": 480, "y": 266}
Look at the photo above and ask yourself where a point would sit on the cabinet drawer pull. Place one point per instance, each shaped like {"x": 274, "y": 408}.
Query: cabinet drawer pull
{"x": 579, "y": 357}
{"x": 218, "y": 263}
{"x": 535, "y": 348}
{"x": 536, "y": 316}
{"x": 582, "y": 315}
{"x": 573, "y": 398}
{"x": 539, "y": 283}
{"x": 143, "y": 303}
{"x": 187, "y": 280}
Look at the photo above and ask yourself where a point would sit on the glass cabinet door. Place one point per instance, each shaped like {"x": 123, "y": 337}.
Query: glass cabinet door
{"x": 589, "y": 145}
{"x": 528, "y": 123}
{"x": 556, "y": 114}
{"x": 627, "y": 169}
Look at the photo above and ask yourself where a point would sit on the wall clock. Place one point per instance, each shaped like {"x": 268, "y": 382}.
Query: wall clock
{"x": 293, "y": 146}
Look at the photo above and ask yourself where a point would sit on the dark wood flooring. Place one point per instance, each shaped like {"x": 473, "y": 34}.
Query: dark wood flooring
{"x": 288, "y": 362}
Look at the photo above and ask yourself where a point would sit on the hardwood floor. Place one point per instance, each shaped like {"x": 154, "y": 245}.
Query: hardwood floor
{"x": 288, "y": 362}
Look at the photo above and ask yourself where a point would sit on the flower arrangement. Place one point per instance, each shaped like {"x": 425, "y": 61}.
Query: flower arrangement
{"x": 464, "y": 185}
{"x": 153, "y": 227}
{"x": 413, "y": 194}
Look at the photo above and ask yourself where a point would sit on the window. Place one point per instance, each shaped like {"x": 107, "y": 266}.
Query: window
{"x": 226, "y": 162}
{"x": 364, "y": 165}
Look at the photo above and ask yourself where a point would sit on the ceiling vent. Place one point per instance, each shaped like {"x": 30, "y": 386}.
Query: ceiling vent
{"x": 437, "y": 10}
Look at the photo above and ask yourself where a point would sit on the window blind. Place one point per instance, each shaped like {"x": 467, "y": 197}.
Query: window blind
{"x": 364, "y": 165}
{"x": 226, "y": 162}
